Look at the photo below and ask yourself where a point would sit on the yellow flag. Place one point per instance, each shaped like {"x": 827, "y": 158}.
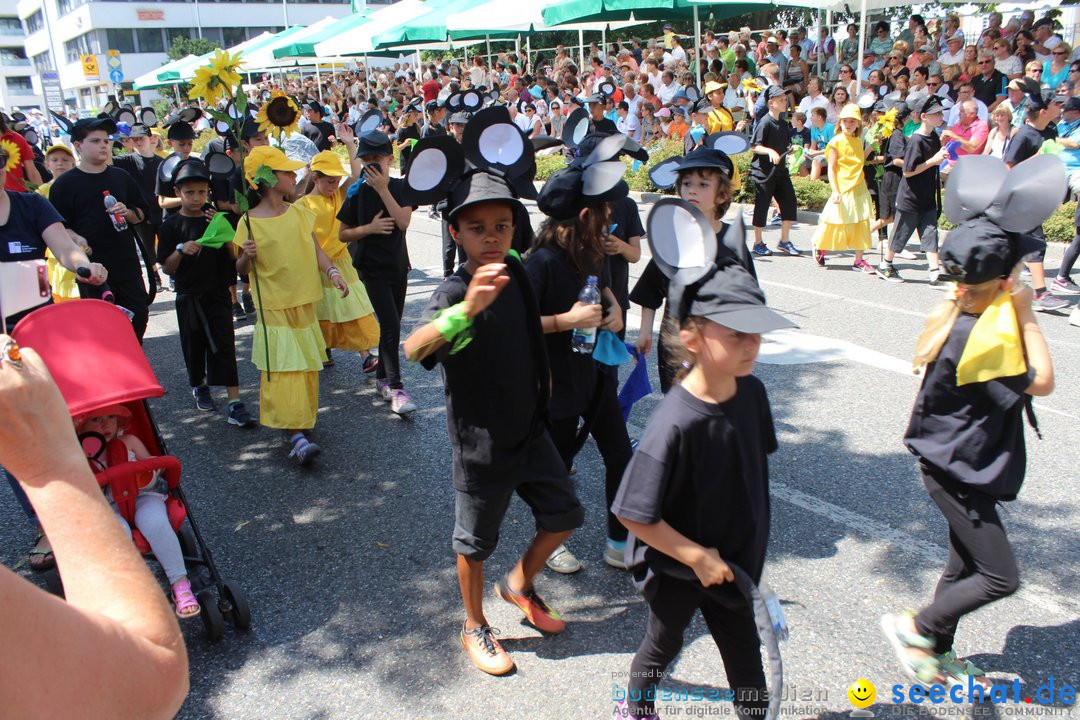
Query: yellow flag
{"x": 993, "y": 349}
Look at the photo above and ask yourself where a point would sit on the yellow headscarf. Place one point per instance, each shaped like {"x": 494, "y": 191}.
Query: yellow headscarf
{"x": 994, "y": 348}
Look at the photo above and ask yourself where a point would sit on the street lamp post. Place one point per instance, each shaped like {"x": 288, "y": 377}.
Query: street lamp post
{"x": 285, "y": 9}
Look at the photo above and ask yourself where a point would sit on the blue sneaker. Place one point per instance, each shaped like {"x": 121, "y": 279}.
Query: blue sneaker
{"x": 789, "y": 248}
{"x": 239, "y": 416}
{"x": 762, "y": 250}
{"x": 203, "y": 399}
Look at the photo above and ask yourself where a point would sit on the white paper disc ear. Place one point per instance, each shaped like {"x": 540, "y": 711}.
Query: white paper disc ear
{"x": 600, "y": 177}
{"x": 471, "y": 100}
{"x": 148, "y": 117}
{"x": 222, "y": 128}
{"x": 126, "y": 116}
{"x": 692, "y": 93}
{"x": 973, "y": 182}
{"x": 232, "y": 111}
{"x": 731, "y": 143}
{"x": 607, "y": 149}
{"x": 427, "y": 169}
{"x": 501, "y": 144}
{"x": 371, "y": 121}
{"x": 665, "y": 174}
{"x": 165, "y": 170}
{"x": 218, "y": 163}
{"x": 681, "y": 240}
{"x": 1032, "y": 191}
{"x": 606, "y": 88}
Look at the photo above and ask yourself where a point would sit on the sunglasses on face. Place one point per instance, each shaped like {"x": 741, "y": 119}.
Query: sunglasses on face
{"x": 933, "y": 84}
{"x": 985, "y": 62}
{"x": 1057, "y": 53}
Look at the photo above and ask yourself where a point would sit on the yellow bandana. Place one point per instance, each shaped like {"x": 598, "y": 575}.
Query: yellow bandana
{"x": 994, "y": 349}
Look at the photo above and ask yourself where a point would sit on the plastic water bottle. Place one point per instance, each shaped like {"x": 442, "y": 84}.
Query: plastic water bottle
{"x": 118, "y": 221}
{"x": 583, "y": 340}
{"x": 776, "y": 612}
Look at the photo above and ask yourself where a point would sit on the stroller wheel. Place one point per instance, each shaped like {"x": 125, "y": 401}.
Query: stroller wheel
{"x": 240, "y": 614}
{"x": 188, "y": 545}
{"x": 53, "y": 583}
{"x": 211, "y": 616}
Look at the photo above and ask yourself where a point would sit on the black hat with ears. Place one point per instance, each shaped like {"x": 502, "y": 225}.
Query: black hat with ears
{"x": 714, "y": 153}
{"x": 587, "y": 182}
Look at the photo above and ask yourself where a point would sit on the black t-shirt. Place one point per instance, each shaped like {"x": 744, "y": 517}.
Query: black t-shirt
{"x": 919, "y": 193}
{"x": 605, "y": 126}
{"x": 20, "y": 236}
{"x": 557, "y": 286}
{"x": 651, "y": 289}
{"x": 504, "y": 360}
{"x": 1025, "y": 143}
{"x": 211, "y": 270}
{"x": 703, "y": 468}
{"x": 144, "y": 170}
{"x": 407, "y": 133}
{"x": 973, "y": 433}
{"x": 79, "y": 197}
{"x": 772, "y": 133}
{"x": 320, "y": 133}
{"x": 627, "y": 221}
{"x": 800, "y": 137}
{"x": 376, "y": 255}
{"x": 988, "y": 90}
{"x": 895, "y": 149}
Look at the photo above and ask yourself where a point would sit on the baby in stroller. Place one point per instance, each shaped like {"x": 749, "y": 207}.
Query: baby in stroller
{"x": 96, "y": 430}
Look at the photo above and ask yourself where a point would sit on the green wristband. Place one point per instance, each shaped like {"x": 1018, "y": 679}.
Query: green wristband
{"x": 453, "y": 324}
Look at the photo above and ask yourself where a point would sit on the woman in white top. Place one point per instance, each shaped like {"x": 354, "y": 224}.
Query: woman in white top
{"x": 1005, "y": 62}
{"x": 1002, "y": 132}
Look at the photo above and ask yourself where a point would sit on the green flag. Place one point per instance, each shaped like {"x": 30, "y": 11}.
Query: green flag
{"x": 217, "y": 233}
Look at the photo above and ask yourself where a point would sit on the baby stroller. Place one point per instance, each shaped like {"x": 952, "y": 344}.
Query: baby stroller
{"x": 96, "y": 361}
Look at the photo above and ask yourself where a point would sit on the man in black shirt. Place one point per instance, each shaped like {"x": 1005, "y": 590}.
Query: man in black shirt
{"x": 768, "y": 170}
{"x": 78, "y": 195}
{"x": 1043, "y": 108}
{"x": 990, "y": 83}
{"x": 917, "y": 198}
{"x": 596, "y": 103}
{"x": 317, "y": 130}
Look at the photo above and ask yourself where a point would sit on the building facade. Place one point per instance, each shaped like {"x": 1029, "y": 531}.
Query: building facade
{"x": 59, "y": 33}
{"x": 17, "y": 89}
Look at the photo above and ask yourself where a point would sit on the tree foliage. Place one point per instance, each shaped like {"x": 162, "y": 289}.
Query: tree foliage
{"x": 183, "y": 46}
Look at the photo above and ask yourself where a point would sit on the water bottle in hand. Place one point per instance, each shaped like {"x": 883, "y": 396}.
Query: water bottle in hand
{"x": 583, "y": 340}
{"x": 118, "y": 221}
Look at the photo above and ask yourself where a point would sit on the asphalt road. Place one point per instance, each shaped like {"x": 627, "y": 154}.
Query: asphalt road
{"x": 350, "y": 574}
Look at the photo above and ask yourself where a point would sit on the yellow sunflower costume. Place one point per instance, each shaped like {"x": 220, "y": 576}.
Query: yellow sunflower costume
{"x": 845, "y": 221}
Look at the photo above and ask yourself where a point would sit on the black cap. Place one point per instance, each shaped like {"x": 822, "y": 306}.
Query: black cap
{"x": 928, "y": 105}
{"x": 978, "y": 251}
{"x": 774, "y": 91}
{"x": 84, "y": 127}
{"x": 431, "y": 105}
{"x": 190, "y": 169}
{"x": 730, "y": 297}
{"x": 479, "y": 187}
{"x": 180, "y": 130}
{"x": 374, "y": 142}
{"x": 459, "y": 118}
{"x": 1044, "y": 98}
{"x": 140, "y": 130}
{"x": 707, "y": 158}
{"x": 563, "y": 197}
{"x": 316, "y": 106}
{"x": 1072, "y": 104}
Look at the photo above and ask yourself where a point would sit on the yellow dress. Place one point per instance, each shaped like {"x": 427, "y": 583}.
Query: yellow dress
{"x": 287, "y": 346}
{"x": 64, "y": 283}
{"x": 845, "y": 222}
{"x": 347, "y": 323}
{"x": 719, "y": 120}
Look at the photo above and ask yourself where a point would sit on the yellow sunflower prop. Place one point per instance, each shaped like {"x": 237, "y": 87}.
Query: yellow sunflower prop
{"x": 12, "y": 150}
{"x": 279, "y": 117}
{"x": 218, "y": 79}
{"x": 752, "y": 85}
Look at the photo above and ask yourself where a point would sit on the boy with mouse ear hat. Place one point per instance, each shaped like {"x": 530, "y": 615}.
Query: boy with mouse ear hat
{"x": 482, "y": 325}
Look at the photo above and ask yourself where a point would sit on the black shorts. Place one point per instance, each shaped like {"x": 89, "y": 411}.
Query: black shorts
{"x": 890, "y": 185}
{"x": 542, "y": 481}
{"x": 925, "y": 223}
{"x": 777, "y": 186}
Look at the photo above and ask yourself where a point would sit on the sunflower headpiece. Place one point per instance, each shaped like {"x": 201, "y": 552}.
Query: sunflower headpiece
{"x": 280, "y": 116}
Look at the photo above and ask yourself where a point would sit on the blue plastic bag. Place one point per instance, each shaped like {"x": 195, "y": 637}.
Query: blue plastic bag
{"x": 637, "y": 383}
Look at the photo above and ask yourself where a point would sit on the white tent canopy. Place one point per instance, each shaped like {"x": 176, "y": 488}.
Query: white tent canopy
{"x": 359, "y": 41}
{"x": 523, "y": 16}
{"x": 263, "y": 56}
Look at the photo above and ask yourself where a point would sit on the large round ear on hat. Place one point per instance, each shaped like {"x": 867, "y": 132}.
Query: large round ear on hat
{"x": 64, "y": 123}
{"x": 30, "y": 135}
{"x": 266, "y": 96}
{"x": 126, "y": 114}
{"x": 601, "y": 178}
{"x": 665, "y": 174}
{"x": 471, "y": 100}
{"x": 223, "y": 129}
{"x": 148, "y": 117}
{"x": 492, "y": 141}
{"x": 218, "y": 163}
{"x": 110, "y": 109}
{"x": 189, "y": 114}
{"x": 730, "y": 143}
{"x": 681, "y": 240}
{"x": 454, "y": 103}
{"x": 371, "y": 120}
{"x": 607, "y": 149}
{"x": 18, "y": 116}
{"x": 634, "y": 149}
{"x": 974, "y": 181}
{"x": 1032, "y": 191}
{"x": 543, "y": 142}
{"x": 436, "y": 163}
{"x": 692, "y": 93}
{"x": 606, "y": 88}
{"x": 443, "y": 97}
{"x": 166, "y": 170}
{"x": 494, "y": 95}
{"x": 576, "y": 128}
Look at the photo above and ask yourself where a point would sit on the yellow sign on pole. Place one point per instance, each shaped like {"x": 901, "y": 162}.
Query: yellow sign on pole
{"x": 90, "y": 67}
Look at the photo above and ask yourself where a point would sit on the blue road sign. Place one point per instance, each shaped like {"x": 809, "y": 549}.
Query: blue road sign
{"x": 116, "y": 76}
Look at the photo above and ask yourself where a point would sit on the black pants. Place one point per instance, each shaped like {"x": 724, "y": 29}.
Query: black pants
{"x": 778, "y": 186}
{"x": 453, "y": 254}
{"x": 981, "y": 566}
{"x": 730, "y": 620}
{"x": 606, "y": 425}
{"x": 207, "y": 339}
{"x": 387, "y": 297}
{"x": 1069, "y": 258}
{"x": 129, "y": 293}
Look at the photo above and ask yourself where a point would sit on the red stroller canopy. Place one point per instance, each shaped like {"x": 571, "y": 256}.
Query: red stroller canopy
{"x": 91, "y": 352}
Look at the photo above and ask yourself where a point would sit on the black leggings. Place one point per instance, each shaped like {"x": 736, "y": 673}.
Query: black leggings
{"x": 387, "y": 297}
{"x": 609, "y": 430}
{"x": 981, "y": 567}
{"x": 1069, "y": 258}
{"x": 672, "y": 603}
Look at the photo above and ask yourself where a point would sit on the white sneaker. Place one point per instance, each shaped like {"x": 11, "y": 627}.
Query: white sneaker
{"x": 1074, "y": 316}
{"x": 401, "y": 403}
{"x": 907, "y": 255}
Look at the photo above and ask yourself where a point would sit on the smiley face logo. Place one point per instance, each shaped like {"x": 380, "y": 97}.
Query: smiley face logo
{"x": 862, "y": 693}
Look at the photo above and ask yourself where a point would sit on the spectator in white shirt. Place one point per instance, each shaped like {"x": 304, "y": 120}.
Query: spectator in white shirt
{"x": 667, "y": 87}
{"x": 813, "y": 98}
{"x": 627, "y": 124}
{"x": 632, "y": 99}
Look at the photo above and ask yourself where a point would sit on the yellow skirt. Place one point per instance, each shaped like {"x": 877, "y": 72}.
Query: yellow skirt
{"x": 845, "y": 224}
{"x": 289, "y": 392}
{"x": 347, "y": 323}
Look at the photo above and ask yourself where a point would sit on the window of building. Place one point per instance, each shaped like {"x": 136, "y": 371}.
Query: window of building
{"x": 11, "y": 26}
{"x": 66, "y": 6}
{"x": 150, "y": 40}
{"x": 43, "y": 62}
{"x": 13, "y": 57}
{"x": 233, "y": 36}
{"x": 85, "y": 44}
{"x": 122, "y": 39}
{"x": 20, "y": 86}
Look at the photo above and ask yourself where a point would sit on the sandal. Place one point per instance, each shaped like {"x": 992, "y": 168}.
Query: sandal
{"x": 186, "y": 604}
{"x": 914, "y": 651}
{"x": 43, "y": 555}
{"x": 957, "y": 672}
